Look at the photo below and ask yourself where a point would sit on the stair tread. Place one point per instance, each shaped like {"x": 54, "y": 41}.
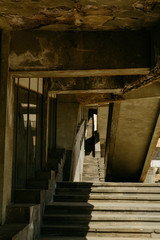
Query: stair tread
{"x": 105, "y": 226}
{"x": 110, "y": 205}
{"x": 93, "y": 238}
{"x": 90, "y": 197}
{"x": 114, "y": 190}
{"x": 108, "y": 216}
{"x": 117, "y": 184}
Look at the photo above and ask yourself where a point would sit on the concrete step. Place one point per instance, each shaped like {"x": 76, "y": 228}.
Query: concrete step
{"x": 103, "y": 217}
{"x": 102, "y": 206}
{"x": 103, "y": 210}
{"x": 108, "y": 184}
{"x": 72, "y": 196}
{"x": 101, "y": 228}
{"x": 92, "y": 189}
{"x": 95, "y": 238}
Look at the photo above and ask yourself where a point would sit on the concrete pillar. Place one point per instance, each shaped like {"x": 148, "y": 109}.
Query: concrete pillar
{"x": 45, "y": 123}
{"x": 102, "y": 126}
{"x": 6, "y": 126}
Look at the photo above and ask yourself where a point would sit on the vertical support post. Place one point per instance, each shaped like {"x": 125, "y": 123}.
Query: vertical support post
{"x": 45, "y": 122}
{"x": 6, "y": 126}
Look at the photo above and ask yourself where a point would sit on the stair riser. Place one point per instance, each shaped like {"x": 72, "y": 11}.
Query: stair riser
{"x": 89, "y": 211}
{"x": 107, "y": 191}
{"x": 106, "y": 184}
{"x": 92, "y": 200}
{"x": 76, "y": 233}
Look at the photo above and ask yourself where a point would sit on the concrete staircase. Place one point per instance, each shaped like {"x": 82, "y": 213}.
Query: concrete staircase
{"x": 23, "y": 217}
{"x": 93, "y": 169}
{"x": 103, "y": 211}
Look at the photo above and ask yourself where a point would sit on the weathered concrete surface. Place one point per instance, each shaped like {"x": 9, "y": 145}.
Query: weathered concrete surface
{"x": 79, "y": 15}
{"x": 98, "y": 98}
{"x": 133, "y": 123}
{"x": 6, "y": 126}
{"x": 67, "y": 114}
{"x": 87, "y": 85}
{"x": 79, "y": 50}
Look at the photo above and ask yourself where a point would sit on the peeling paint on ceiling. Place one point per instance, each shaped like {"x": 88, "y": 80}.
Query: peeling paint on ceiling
{"x": 79, "y": 14}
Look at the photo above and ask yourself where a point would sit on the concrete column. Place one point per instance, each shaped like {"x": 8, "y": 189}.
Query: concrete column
{"x": 45, "y": 122}
{"x": 102, "y": 126}
{"x": 6, "y": 126}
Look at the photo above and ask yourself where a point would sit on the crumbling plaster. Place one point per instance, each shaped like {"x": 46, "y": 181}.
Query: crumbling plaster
{"x": 79, "y": 14}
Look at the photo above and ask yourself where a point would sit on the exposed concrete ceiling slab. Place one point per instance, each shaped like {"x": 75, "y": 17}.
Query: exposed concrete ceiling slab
{"x": 79, "y": 14}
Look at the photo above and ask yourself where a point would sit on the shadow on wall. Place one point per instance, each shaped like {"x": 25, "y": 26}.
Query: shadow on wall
{"x": 89, "y": 145}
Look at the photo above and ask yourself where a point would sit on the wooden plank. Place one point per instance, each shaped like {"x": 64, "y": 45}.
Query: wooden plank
{"x": 80, "y": 73}
{"x": 152, "y": 147}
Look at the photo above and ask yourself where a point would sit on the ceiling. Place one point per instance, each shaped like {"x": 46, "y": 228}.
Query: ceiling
{"x": 87, "y": 15}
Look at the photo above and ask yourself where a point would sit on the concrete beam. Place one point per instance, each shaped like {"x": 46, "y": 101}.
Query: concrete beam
{"x": 143, "y": 81}
{"x": 80, "y": 50}
{"x": 98, "y": 98}
{"x": 151, "y": 149}
{"x": 81, "y": 73}
{"x": 150, "y": 91}
{"x": 45, "y": 123}
{"x": 86, "y": 85}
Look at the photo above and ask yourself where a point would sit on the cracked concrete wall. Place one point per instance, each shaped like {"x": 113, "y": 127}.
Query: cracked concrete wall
{"x": 79, "y": 50}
